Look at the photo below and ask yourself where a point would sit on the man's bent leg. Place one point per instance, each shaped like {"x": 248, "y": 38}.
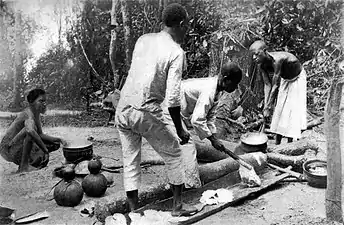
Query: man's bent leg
{"x": 164, "y": 141}
{"x": 189, "y": 155}
{"x": 131, "y": 152}
{"x": 24, "y": 163}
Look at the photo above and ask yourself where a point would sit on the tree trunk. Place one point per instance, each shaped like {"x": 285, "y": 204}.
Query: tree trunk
{"x": 114, "y": 43}
{"x": 126, "y": 15}
{"x": 295, "y": 148}
{"x": 2, "y": 28}
{"x": 161, "y": 8}
{"x": 334, "y": 123}
{"x": 18, "y": 63}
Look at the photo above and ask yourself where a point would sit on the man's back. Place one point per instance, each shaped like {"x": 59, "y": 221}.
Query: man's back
{"x": 191, "y": 91}
{"x": 146, "y": 83}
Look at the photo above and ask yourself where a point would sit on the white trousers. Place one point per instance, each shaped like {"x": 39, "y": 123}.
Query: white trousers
{"x": 190, "y": 164}
{"x": 189, "y": 155}
{"x": 134, "y": 124}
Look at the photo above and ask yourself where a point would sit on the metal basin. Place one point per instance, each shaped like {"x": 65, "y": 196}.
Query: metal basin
{"x": 78, "y": 150}
{"x": 315, "y": 171}
{"x": 253, "y": 142}
{"x": 254, "y": 138}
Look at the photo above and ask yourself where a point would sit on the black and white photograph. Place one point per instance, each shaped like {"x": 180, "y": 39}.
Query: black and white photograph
{"x": 172, "y": 112}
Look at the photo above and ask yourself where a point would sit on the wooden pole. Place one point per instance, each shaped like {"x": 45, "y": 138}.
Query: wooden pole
{"x": 334, "y": 128}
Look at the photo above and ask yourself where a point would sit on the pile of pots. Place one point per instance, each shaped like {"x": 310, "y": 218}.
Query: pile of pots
{"x": 79, "y": 157}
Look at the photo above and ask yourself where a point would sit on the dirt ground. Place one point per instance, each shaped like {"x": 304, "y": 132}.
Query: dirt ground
{"x": 286, "y": 203}
{"x": 29, "y": 192}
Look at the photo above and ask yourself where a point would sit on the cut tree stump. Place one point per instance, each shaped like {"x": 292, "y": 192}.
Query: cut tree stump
{"x": 334, "y": 123}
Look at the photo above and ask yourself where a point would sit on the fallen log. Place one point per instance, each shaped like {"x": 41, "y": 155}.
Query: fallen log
{"x": 257, "y": 159}
{"x": 207, "y": 153}
{"x": 287, "y": 160}
{"x": 212, "y": 171}
{"x": 294, "y": 148}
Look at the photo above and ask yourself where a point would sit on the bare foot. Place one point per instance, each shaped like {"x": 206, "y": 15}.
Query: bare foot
{"x": 29, "y": 168}
{"x": 185, "y": 210}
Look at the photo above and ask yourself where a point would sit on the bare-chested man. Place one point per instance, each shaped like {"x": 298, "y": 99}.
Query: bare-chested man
{"x": 289, "y": 82}
{"x": 24, "y": 143}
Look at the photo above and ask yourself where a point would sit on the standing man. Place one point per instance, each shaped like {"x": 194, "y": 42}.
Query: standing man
{"x": 289, "y": 78}
{"x": 199, "y": 100}
{"x": 155, "y": 74}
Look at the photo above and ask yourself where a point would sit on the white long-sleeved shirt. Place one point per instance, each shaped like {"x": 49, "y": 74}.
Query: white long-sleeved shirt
{"x": 198, "y": 104}
{"x": 155, "y": 73}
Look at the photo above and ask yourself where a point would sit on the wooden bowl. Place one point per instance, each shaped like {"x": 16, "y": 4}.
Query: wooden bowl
{"x": 315, "y": 171}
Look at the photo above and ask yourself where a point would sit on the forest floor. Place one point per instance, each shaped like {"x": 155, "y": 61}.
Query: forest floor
{"x": 285, "y": 203}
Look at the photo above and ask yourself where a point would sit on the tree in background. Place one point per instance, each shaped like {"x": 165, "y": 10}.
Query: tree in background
{"x": 220, "y": 30}
{"x": 17, "y": 32}
{"x": 18, "y": 68}
{"x": 114, "y": 43}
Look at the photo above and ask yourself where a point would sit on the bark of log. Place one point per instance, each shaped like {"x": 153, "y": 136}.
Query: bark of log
{"x": 334, "y": 122}
{"x": 257, "y": 159}
{"x": 212, "y": 171}
{"x": 295, "y": 148}
{"x": 286, "y": 160}
{"x": 207, "y": 153}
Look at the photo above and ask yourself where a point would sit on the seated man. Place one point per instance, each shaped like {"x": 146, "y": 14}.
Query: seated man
{"x": 288, "y": 85}
{"x": 199, "y": 100}
{"x": 24, "y": 143}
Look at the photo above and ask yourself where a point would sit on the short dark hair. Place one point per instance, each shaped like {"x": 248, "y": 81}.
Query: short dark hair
{"x": 232, "y": 72}
{"x": 173, "y": 14}
{"x": 34, "y": 94}
{"x": 258, "y": 45}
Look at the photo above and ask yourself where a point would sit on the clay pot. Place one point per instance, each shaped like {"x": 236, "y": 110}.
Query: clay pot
{"x": 94, "y": 184}
{"x": 69, "y": 192}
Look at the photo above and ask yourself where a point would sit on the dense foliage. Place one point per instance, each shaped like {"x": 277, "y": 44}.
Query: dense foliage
{"x": 219, "y": 30}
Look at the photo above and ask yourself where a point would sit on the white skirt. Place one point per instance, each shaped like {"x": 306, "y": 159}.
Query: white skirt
{"x": 290, "y": 114}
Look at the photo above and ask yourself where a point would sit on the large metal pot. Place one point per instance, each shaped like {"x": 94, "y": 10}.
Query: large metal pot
{"x": 253, "y": 142}
{"x": 77, "y": 151}
{"x": 315, "y": 178}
